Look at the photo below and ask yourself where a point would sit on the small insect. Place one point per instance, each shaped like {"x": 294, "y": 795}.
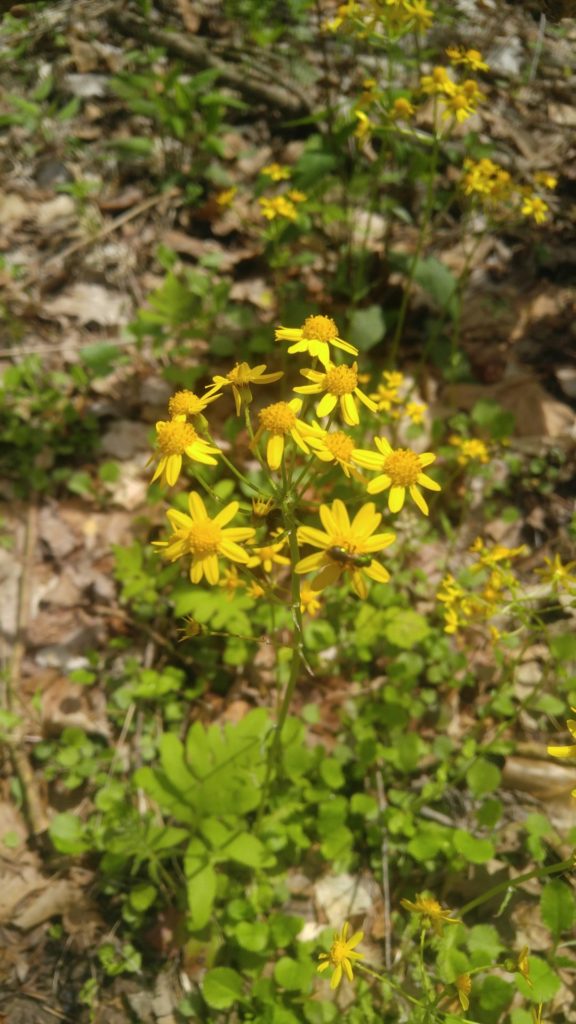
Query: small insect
{"x": 347, "y": 558}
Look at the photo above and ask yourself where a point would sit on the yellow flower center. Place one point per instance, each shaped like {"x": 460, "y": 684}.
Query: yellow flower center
{"x": 240, "y": 375}
{"x": 204, "y": 538}
{"x": 278, "y": 418}
{"x": 175, "y": 437}
{"x": 428, "y": 906}
{"x": 341, "y": 380}
{"x": 185, "y": 403}
{"x": 340, "y": 445}
{"x": 339, "y": 951}
{"x": 319, "y": 328}
{"x": 403, "y": 467}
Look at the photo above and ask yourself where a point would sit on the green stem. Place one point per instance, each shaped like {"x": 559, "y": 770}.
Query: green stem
{"x": 555, "y": 869}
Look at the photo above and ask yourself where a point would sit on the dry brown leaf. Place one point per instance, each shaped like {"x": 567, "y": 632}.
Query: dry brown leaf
{"x": 536, "y": 413}
{"x": 65, "y": 704}
{"x": 90, "y": 303}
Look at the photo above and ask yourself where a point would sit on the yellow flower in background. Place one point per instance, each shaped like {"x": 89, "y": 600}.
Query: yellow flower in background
{"x": 461, "y": 101}
{"x": 296, "y": 196}
{"x": 231, "y": 581}
{"x": 437, "y": 83}
{"x": 523, "y": 964}
{"x": 205, "y": 539}
{"x": 416, "y": 411}
{"x": 186, "y": 403}
{"x": 400, "y": 471}
{"x": 340, "y": 387}
{"x": 310, "y": 603}
{"x": 336, "y": 447}
{"x": 226, "y": 197}
{"x": 346, "y": 547}
{"x": 255, "y": 590}
{"x": 463, "y": 985}
{"x": 430, "y": 912}
{"x": 561, "y": 576}
{"x": 364, "y": 127}
{"x": 533, "y": 206}
{"x": 486, "y": 178}
{"x": 279, "y": 206}
{"x": 276, "y": 172}
{"x": 240, "y": 378}
{"x": 469, "y": 449}
{"x": 470, "y": 58}
{"x": 402, "y": 109}
{"x": 388, "y": 393}
{"x": 546, "y": 180}
{"x": 569, "y": 752}
{"x": 174, "y": 439}
{"x": 490, "y": 556}
{"x": 421, "y": 15}
{"x": 341, "y": 956}
{"x": 280, "y": 420}
{"x": 268, "y": 555}
{"x": 315, "y": 337}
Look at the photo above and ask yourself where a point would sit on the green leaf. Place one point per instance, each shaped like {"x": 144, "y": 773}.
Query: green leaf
{"x": 252, "y": 936}
{"x": 245, "y": 849}
{"x": 67, "y": 833}
{"x": 483, "y": 777}
{"x": 331, "y": 773}
{"x": 142, "y": 896}
{"x": 367, "y": 327}
{"x": 201, "y": 891}
{"x": 294, "y": 975}
{"x": 492, "y": 418}
{"x": 557, "y": 907}
{"x": 405, "y": 628}
{"x": 475, "y": 851}
{"x": 284, "y": 929}
{"x": 100, "y": 357}
{"x": 484, "y": 943}
{"x": 545, "y": 982}
{"x": 495, "y": 994}
{"x": 222, "y": 987}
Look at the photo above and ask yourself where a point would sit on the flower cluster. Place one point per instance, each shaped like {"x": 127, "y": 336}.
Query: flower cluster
{"x": 495, "y": 189}
{"x": 464, "y": 608}
{"x": 392, "y": 398}
{"x": 180, "y": 436}
{"x": 567, "y": 751}
{"x": 284, "y": 205}
{"x": 459, "y": 100}
{"x": 470, "y": 449}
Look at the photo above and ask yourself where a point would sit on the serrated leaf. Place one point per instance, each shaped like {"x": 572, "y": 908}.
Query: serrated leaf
{"x": 200, "y": 890}
{"x": 557, "y": 907}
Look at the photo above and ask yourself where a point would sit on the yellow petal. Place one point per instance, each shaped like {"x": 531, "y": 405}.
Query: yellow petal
{"x": 379, "y": 483}
{"x": 226, "y": 514}
{"x": 275, "y": 451}
{"x": 349, "y": 410}
{"x": 197, "y": 507}
{"x": 326, "y": 405}
{"x": 396, "y": 498}
{"x": 173, "y": 467}
{"x": 418, "y": 499}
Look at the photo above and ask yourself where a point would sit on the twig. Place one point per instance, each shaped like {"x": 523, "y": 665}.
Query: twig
{"x": 382, "y": 805}
{"x": 37, "y": 818}
{"x": 537, "y": 48}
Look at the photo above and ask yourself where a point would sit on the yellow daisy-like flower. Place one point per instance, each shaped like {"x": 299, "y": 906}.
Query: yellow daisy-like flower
{"x": 225, "y": 197}
{"x": 280, "y": 420}
{"x": 278, "y": 206}
{"x": 231, "y": 581}
{"x": 336, "y": 447}
{"x": 340, "y": 387}
{"x": 255, "y": 590}
{"x": 463, "y": 985}
{"x": 364, "y": 127}
{"x": 569, "y": 752}
{"x": 268, "y": 555}
{"x": 470, "y": 449}
{"x": 439, "y": 82}
{"x": 400, "y": 470}
{"x": 240, "y": 378}
{"x": 204, "y": 539}
{"x": 310, "y": 603}
{"x": 546, "y": 180}
{"x": 430, "y": 911}
{"x": 186, "y": 403}
{"x": 422, "y": 15}
{"x": 176, "y": 438}
{"x": 533, "y": 206}
{"x": 560, "y": 575}
{"x": 296, "y": 196}
{"x": 276, "y": 172}
{"x": 346, "y": 547}
{"x": 470, "y": 58}
{"x": 416, "y": 411}
{"x": 315, "y": 337}
{"x": 341, "y": 956}
{"x": 402, "y": 109}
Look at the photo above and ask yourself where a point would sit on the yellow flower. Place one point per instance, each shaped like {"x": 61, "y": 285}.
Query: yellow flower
{"x": 461, "y": 100}
{"x": 296, "y": 196}
{"x": 470, "y": 58}
{"x": 400, "y": 470}
{"x": 240, "y": 378}
{"x": 310, "y": 603}
{"x": 364, "y": 127}
{"x": 186, "y": 403}
{"x": 438, "y": 82}
{"x": 523, "y": 964}
{"x": 464, "y": 987}
{"x": 334, "y": 446}
{"x": 231, "y": 581}
{"x": 415, "y": 411}
{"x": 533, "y": 206}
{"x": 470, "y": 449}
{"x": 546, "y": 180}
{"x": 315, "y": 337}
{"x": 204, "y": 539}
{"x": 279, "y": 420}
{"x": 402, "y": 109}
{"x": 276, "y": 172}
{"x": 279, "y": 206}
{"x": 261, "y": 507}
{"x": 486, "y": 178}
{"x": 569, "y": 752}
{"x": 387, "y": 393}
{"x": 340, "y": 386}
{"x": 345, "y": 546}
{"x": 560, "y": 575}
{"x": 175, "y": 438}
{"x": 341, "y": 956}
{"x": 225, "y": 197}
{"x": 431, "y": 912}
{"x": 255, "y": 590}
{"x": 268, "y": 555}
{"x": 421, "y": 14}
{"x": 488, "y": 557}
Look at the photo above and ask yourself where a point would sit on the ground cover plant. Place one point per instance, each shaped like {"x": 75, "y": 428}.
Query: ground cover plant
{"x": 288, "y": 534}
